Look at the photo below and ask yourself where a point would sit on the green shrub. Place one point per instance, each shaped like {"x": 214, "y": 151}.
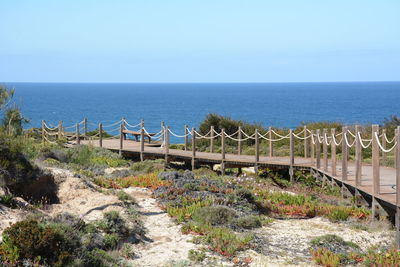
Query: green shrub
{"x": 248, "y": 222}
{"x": 7, "y": 200}
{"x": 112, "y": 223}
{"x": 338, "y": 214}
{"x": 123, "y": 196}
{"x": 325, "y": 257}
{"x": 196, "y": 255}
{"x": 30, "y": 240}
{"x": 225, "y": 242}
{"x": 96, "y": 257}
{"x": 214, "y": 215}
{"x": 147, "y": 166}
{"x": 334, "y": 243}
{"x": 111, "y": 241}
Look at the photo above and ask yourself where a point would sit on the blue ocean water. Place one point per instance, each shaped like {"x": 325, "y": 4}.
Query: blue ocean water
{"x": 272, "y": 104}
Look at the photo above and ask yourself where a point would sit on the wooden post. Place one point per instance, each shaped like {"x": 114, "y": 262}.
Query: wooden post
{"x": 223, "y": 151}
{"x": 166, "y": 144}
{"x": 240, "y": 141}
{"x": 325, "y": 149}
{"x": 344, "y": 154}
{"x": 257, "y": 151}
{"x": 396, "y": 156}
{"x": 271, "y": 149}
{"x": 291, "y": 148}
{"x": 84, "y": 128}
{"x": 78, "y": 138}
{"x": 100, "y": 134}
{"x": 142, "y": 140}
{"x": 397, "y": 219}
{"x": 312, "y": 148}
{"x": 43, "y": 132}
{"x": 358, "y": 156}
{"x": 305, "y": 142}
{"x": 162, "y": 131}
{"x": 60, "y": 130}
{"x": 212, "y": 140}
{"x": 121, "y": 137}
{"x": 375, "y": 160}
{"x": 384, "y": 145}
{"x": 333, "y": 152}
{"x": 318, "y": 150}
{"x": 186, "y": 133}
{"x": 193, "y": 148}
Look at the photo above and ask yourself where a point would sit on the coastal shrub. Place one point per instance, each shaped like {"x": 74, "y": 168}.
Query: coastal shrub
{"x": 185, "y": 211}
{"x": 108, "y": 162}
{"x": 196, "y": 255}
{"x": 325, "y": 257}
{"x": 96, "y": 257}
{"x": 14, "y": 166}
{"x": 225, "y": 242}
{"x": 7, "y": 200}
{"x": 214, "y": 215}
{"x": 30, "y": 240}
{"x": 127, "y": 251}
{"x": 86, "y": 156}
{"x": 334, "y": 243}
{"x": 248, "y": 222}
{"x": 385, "y": 258}
{"x": 150, "y": 180}
{"x": 123, "y": 196}
{"x": 113, "y": 223}
{"x": 111, "y": 241}
{"x": 147, "y": 166}
{"x": 338, "y": 214}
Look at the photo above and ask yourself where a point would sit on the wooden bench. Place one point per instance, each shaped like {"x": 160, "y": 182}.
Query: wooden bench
{"x": 137, "y": 134}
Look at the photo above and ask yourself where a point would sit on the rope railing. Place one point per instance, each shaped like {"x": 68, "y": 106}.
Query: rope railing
{"x": 380, "y": 145}
{"x": 347, "y": 141}
{"x": 240, "y": 135}
{"x": 364, "y": 140}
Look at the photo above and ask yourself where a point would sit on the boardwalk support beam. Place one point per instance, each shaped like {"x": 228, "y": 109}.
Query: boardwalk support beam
{"x": 333, "y": 152}
{"x": 257, "y": 151}
{"x": 142, "y": 140}
{"x": 240, "y": 141}
{"x": 358, "y": 157}
{"x": 193, "y": 149}
{"x": 375, "y": 170}
{"x": 223, "y": 151}
{"x": 325, "y": 149}
{"x": 344, "y": 154}
{"x": 318, "y": 149}
{"x": 291, "y": 147}
{"x": 212, "y": 139}
{"x": 271, "y": 148}
{"x": 166, "y": 136}
{"x": 78, "y": 138}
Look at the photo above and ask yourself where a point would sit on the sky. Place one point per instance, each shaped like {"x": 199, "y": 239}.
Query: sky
{"x": 199, "y": 41}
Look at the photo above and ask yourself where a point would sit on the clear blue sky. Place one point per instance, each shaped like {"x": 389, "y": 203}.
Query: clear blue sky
{"x": 199, "y": 41}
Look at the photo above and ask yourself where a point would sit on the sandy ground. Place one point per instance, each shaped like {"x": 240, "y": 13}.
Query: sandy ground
{"x": 79, "y": 199}
{"x": 287, "y": 242}
{"x": 166, "y": 243}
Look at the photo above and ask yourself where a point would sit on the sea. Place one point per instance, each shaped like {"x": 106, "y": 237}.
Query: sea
{"x": 178, "y": 104}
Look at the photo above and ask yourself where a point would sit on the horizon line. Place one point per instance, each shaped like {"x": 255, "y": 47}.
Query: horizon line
{"x": 227, "y": 82}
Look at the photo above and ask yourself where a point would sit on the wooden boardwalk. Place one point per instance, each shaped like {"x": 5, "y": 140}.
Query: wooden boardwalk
{"x": 387, "y": 190}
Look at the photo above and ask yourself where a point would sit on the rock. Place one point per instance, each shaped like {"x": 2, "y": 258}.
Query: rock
{"x": 20, "y": 202}
{"x": 2, "y": 191}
